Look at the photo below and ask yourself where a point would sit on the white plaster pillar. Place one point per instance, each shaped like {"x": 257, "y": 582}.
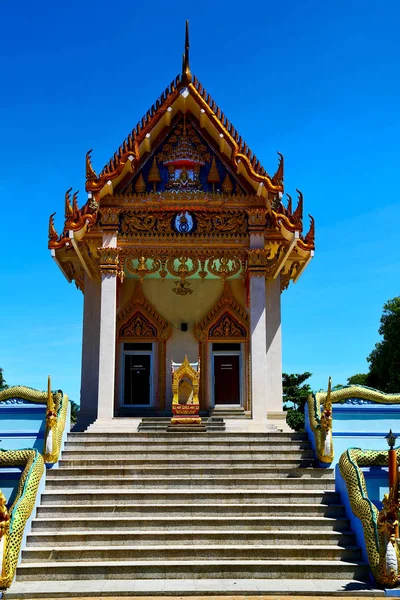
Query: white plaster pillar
{"x": 258, "y": 337}
{"x": 257, "y": 260}
{"x": 108, "y": 310}
{"x": 90, "y": 352}
{"x": 274, "y": 347}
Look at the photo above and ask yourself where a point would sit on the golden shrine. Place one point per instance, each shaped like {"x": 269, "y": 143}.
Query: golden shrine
{"x": 182, "y": 248}
{"x": 185, "y": 389}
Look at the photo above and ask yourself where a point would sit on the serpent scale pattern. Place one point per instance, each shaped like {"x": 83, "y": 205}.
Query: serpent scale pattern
{"x": 339, "y": 396}
{"x": 22, "y": 507}
{"x": 60, "y": 401}
{"x": 349, "y": 465}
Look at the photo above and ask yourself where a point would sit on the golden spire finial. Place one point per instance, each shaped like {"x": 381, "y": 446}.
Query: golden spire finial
{"x": 68, "y": 208}
{"x": 154, "y": 175}
{"x": 328, "y": 395}
{"x": 90, "y": 172}
{"x": 213, "y": 174}
{"x": 186, "y": 73}
{"x": 50, "y": 402}
{"x": 53, "y": 235}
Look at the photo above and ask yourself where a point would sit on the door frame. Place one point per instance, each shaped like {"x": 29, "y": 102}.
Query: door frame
{"x": 151, "y": 378}
{"x": 238, "y": 353}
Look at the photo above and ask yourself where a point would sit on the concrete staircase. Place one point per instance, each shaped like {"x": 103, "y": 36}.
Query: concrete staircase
{"x": 163, "y": 423}
{"x": 228, "y": 411}
{"x": 163, "y": 506}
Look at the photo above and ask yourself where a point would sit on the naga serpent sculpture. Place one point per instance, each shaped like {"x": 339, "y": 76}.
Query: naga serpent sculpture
{"x": 13, "y": 520}
{"x": 379, "y": 527}
{"x": 321, "y": 420}
{"x": 56, "y": 414}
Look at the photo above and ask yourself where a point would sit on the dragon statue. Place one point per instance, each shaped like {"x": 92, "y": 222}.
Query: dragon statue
{"x": 13, "y": 520}
{"x": 320, "y": 413}
{"x": 56, "y": 414}
{"x": 379, "y": 527}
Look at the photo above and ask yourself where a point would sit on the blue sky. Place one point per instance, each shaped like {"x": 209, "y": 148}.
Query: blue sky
{"x": 318, "y": 81}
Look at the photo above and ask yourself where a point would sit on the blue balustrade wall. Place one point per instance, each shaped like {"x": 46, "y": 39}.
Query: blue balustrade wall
{"x": 22, "y": 425}
{"x": 361, "y": 424}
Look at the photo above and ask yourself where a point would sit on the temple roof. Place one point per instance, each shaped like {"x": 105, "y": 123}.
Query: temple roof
{"x": 185, "y": 94}
{"x": 136, "y": 142}
{"x": 184, "y": 130}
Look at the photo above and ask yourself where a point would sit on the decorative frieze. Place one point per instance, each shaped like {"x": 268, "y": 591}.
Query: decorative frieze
{"x": 110, "y": 218}
{"x": 289, "y": 271}
{"x": 179, "y": 223}
{"x": 143, "y": 267}
{"x": 262, "y": 262}
{"x": 257, "y": 218}
{"x": 109, "y": 261}
{"x": 183, "y": 266}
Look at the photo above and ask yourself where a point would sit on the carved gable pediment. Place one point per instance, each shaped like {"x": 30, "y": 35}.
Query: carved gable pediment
{"x": 226, "y": 328}
{"x": 226, "y": 320}
{"x": 138, "y": 327}
{"x": 184, "y": 161}
{"x": 139, "y": 320}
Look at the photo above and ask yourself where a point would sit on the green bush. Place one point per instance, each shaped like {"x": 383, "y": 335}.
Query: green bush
{"x": 295, "y": 420}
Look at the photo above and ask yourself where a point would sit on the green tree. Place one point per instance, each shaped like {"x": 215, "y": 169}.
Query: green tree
{"x": 384, "y": 360}
{"x": 295, "y": 394}
{"x": 358, "y": 379}
{"x": 74, "y": 411}
{"x": 3, "y": 385}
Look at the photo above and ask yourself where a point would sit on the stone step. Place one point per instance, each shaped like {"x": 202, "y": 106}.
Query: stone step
{"x": 149, "y": 470}
{"x": 151, "y": 424}
{"x": 170, "y": 497}
{"x": 229, "y": 414}
{"x": 196, "y": 523}
{"x": 200, "y": 553}
{"x": 118, "y": 457}
{"x": 288, "y": 463}
{"x": 304, "y": 537}
{"x": 180, "y": 441}
{"x": 209, "y": 427}
{"x": 202, "y": 481}
{"x": 215, "y": 569}
{"x": 187, "y": 510}
{"x": 116, "y": 589}
{"x": 130, "y": 446}
{"x": 182, "y": 438}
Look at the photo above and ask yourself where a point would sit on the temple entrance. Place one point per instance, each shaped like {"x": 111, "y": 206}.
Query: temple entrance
{"x": 226, "y": 368}
{"x": 137, "y": 379}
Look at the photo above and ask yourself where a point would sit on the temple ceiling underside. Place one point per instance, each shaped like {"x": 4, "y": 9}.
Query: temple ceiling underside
{"x": 185, "y": 197}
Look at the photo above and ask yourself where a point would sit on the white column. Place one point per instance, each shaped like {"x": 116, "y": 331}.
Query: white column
{"x": 108, "y": 311}
{"x": 90, "y": 352}
{"x": 274, "y": 346}
{"x": 258, "y": 346}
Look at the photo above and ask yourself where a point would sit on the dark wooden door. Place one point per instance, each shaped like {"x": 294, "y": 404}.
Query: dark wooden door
{"x": 226, "y": 378}
{"x": 137, "y": 379}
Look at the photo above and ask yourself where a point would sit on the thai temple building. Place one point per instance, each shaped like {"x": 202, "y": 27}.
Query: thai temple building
{"x": 181, "y": 477}
{"x": 182, "y": 248}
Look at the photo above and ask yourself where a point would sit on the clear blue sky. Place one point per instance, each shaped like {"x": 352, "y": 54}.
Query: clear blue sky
{"x": 318, "y": 81}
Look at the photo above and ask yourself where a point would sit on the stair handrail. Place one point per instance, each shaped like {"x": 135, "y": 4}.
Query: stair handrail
{"x": 56, "y": 414}
{"x": 13, "y": 520}
{"x": 320, "y": 413}
{"x": 378, "y": 526}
